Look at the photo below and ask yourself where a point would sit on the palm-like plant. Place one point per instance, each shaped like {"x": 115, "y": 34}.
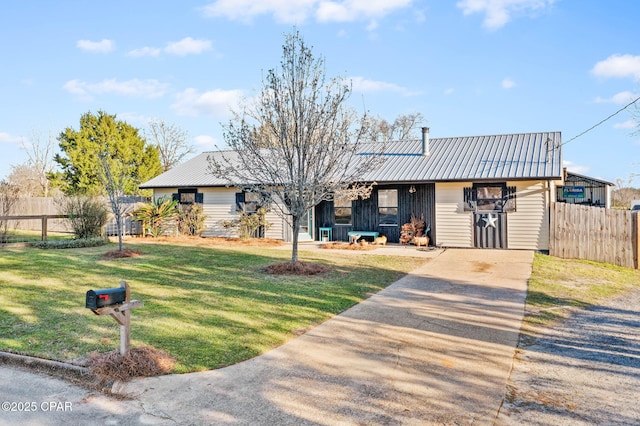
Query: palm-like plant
{"x": 157, "y": 215}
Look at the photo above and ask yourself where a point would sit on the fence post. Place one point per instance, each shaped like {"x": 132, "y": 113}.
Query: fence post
{"x": 552, "y": 228}
{"x": 125, "y": 327}
{"x": 44, "y": 227}
{"x": 635, "y": 226}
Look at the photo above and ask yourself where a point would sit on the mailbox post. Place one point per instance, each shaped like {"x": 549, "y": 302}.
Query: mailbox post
{"x": 117, "y": 303}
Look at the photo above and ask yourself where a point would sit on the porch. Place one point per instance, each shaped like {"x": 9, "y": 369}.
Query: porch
{"x": 384, "y": 213}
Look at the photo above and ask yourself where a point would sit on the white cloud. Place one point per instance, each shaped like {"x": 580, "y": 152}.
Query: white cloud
{"x": 361, "y": 84}
{"x": 7, "y": 138}
{"x": 353, "y": 10}
{"x": 333, "y": 11}
{"x": 103, "y": 46}
{"x": 285, "y": 11}
{"x": 507, "y": 83}
{"x": 629, "y": 124}
{"x": 144, "y": 51}
{"x": 621, "y": 66}
{"x": 188, "y": 46}
{"x": 138, "y": 120}
{"x": 205, "y": 142}
{"x": 296, "y": 12}
{"x": 619, "y": 98}
{"x": 212, "y": 103}
{"x": 372, "y": 25}
{"x": 499, "y": 12}
{"x": 575, "y": 168}
{"x": 449, "y": 91}
{"x": 134, "y": 88}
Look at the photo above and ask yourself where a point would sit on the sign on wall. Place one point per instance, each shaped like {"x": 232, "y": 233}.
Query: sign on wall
{"x": 573, "y": 192}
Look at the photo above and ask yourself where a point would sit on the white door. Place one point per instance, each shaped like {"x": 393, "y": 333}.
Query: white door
{"x": 306, "y": 227}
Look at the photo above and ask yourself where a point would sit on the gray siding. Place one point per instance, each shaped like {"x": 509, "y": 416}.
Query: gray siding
{"x": 365, "y": 212}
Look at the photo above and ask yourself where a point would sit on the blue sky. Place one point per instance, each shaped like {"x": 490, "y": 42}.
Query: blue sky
{"x": 471, "y": 67}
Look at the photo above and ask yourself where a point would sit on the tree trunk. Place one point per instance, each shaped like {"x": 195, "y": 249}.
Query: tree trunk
{"x": 119, "y": 226}
{"x": 294, "y": 245}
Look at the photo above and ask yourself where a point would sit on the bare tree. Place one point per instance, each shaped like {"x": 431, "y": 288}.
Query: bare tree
{"x": 298, "y": 142}
{"x": 40, "y": 152}
{"x": 9, "y": 195}
{"x": 172, "y": 142}
{"x": 405, "y": 126}
{"x": 26, "y": 178}
{"x": 115, "y": 180}
{"x": 623, "y": 193}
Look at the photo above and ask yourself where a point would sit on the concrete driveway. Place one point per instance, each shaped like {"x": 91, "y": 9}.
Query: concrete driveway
{"x": 434, "y": 347}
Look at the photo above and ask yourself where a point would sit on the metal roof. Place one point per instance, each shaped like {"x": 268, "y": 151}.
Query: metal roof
{"x": 575, "y": 177}
{"x": 503, "y": 157}
{"x": 191, "y": 173}
{"x": 510, "y": 156}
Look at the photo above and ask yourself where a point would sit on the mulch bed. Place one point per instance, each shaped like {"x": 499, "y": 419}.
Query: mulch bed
{"x": 211, "y": 241}
{"x": 348, "y": 246}
{"x": 121, "y": 254}
{"x": 143, "y": 361}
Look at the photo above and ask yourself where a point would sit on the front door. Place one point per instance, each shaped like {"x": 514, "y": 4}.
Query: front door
{"x": 306, "y": 227}
{"x": 490, "y": 230}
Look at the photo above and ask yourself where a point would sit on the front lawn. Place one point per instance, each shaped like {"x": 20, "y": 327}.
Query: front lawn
{"x": 25, "y": 236}
{"x": 556, "y": 285}
{"x": 207, "y": 306}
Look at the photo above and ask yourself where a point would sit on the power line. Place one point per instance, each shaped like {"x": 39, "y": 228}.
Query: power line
{"x": 608, "y": 118}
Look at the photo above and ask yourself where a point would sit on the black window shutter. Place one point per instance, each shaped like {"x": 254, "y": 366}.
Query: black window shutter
{"x": 509, "y": 197}
{"x": 175, "y": 197}
{"x": 470, "y": 198}
{"x": 239, "y": 201}
{"x": 199, "y": 197}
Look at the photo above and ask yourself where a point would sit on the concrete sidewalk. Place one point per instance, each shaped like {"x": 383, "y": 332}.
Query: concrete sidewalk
{"x": 434, "y": 347}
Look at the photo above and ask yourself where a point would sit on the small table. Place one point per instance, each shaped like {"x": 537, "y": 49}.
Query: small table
{"x": 326, "y": 233}
{"x": 354, "y": 236}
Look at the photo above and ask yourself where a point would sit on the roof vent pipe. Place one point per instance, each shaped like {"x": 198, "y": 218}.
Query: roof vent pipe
{"x": 425, "y": 141}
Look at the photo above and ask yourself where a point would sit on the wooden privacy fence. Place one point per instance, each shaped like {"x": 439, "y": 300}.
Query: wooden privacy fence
{"x": 36, "y": 214}
{"x": 594, "y": 233}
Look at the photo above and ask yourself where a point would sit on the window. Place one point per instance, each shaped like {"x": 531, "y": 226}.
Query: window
{"x": 251, "y": 202}
{"x": 388, "y": 206}
{"x": 342, "y": 208}
{"x": 188, "y": 196}
{"x": 248, "y": 202}
{"x": 490, "y": 198}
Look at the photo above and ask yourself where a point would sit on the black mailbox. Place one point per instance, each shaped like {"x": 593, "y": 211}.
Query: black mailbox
{"x": 105, "y": 297}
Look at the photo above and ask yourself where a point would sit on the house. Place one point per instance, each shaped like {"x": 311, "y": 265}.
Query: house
{"x": 583, "y": 190}
{"x": 481, "y": 191}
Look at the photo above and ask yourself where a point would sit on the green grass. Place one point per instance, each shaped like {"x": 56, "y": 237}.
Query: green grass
{"x": 25, "y": 236}
{"x": 208, "y": 307}
{"x": 557, "y": 284}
